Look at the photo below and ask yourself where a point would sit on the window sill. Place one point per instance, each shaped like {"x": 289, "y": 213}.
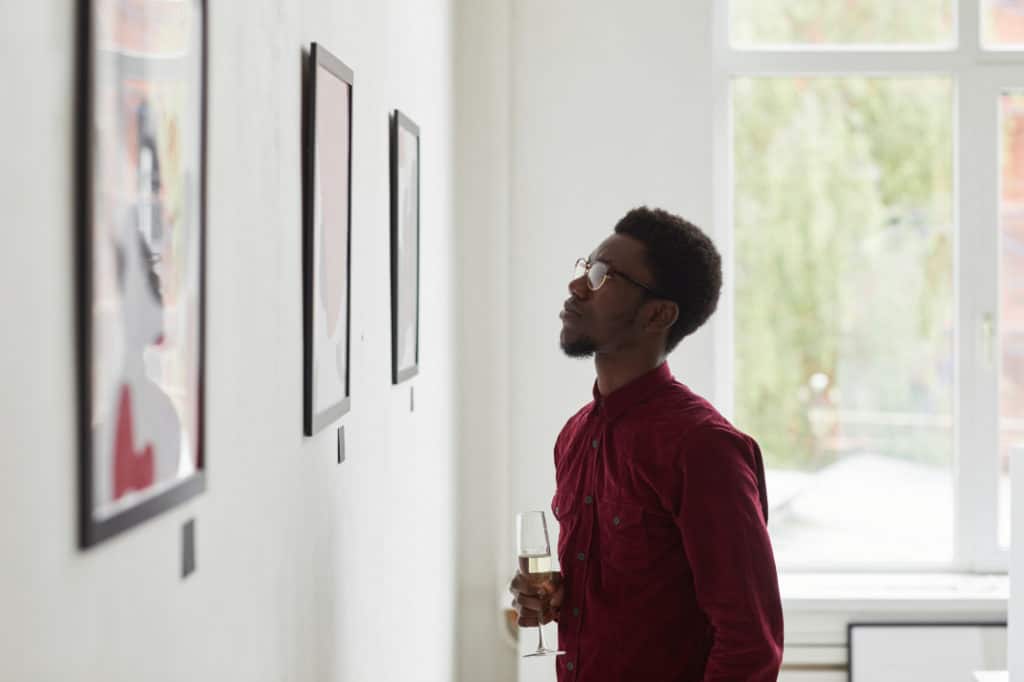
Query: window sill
{"x": 895, "y": 592}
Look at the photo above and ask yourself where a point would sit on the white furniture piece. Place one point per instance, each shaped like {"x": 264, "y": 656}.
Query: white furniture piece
{"x": 820, "y": 607}
{"x": 912, "y": 652}
{"x": 1015, "y": 612}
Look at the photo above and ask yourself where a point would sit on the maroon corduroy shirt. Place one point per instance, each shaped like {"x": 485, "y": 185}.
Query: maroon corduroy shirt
{"x": 668, "y": 569}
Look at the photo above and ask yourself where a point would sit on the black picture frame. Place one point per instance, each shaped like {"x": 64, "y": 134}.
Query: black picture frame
{"x": 120, "y": 238}
{"x": 850, "y": 627}
{"x": 403, "y": 257}
{"x": 324, "y": 74}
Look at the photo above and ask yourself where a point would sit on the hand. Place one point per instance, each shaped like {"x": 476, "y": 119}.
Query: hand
{"x": 537, "y": 605}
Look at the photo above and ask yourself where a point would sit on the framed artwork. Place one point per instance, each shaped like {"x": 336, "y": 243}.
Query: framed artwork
{"x": 327, "y": 239}
{"x": 405, "y": 248}
{"x": 140, "y": 260}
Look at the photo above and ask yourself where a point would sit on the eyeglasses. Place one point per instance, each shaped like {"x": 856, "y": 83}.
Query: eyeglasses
{"x": 598, "y": 272}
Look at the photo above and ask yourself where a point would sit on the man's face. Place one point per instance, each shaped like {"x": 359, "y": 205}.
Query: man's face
{"x": 607, "y": 320}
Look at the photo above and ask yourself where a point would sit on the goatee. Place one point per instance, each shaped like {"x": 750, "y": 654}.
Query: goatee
{"x": 579, "y": 348}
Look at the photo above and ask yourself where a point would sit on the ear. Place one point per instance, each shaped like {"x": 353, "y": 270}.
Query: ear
{"x": 662, "y": 315}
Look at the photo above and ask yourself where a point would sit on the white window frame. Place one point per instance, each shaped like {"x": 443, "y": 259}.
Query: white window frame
{"x": 979, "y": 77}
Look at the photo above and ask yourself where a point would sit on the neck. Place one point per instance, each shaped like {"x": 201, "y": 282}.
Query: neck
{"x": 615, "y": 370}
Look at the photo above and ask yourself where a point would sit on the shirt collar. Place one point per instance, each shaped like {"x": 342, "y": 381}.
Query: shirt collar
{"x": 635, "y": 392}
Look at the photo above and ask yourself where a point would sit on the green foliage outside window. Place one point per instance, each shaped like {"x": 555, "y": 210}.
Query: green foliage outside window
{"x": 844, "y": 242}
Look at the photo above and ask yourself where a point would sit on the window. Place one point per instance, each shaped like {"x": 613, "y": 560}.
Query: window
{"x": 871, "y": 169}
{"x": 1011, "y": 304}
{"x": 1003, "y": 24}
{"x": 832, "y": 23}
{"x": 844, "y": 233}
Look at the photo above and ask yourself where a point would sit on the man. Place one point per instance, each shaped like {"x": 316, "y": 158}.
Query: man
{"x": 667, "y": 569}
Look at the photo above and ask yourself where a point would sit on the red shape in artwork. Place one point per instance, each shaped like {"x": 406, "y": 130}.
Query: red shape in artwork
{"x": 132, "y": 471}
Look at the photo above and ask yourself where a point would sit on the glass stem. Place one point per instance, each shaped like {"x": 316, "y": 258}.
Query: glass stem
{"x": 540, "y": 636}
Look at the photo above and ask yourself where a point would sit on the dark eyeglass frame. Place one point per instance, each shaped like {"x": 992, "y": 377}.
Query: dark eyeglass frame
{"x": 586, "y": 264}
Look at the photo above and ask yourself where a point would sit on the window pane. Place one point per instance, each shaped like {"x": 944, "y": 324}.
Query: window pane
{"x": 844, "y": 312}
{"x": 1011, "y": 306}
{"x": 841, "y": 22}
{"x": 1002, "y": 23}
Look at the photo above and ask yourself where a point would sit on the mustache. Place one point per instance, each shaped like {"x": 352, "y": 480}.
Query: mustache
{"x": 572, "y": 306}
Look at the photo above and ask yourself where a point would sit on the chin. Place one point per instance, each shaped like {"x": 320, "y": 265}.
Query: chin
{"x": 578, "y": 347}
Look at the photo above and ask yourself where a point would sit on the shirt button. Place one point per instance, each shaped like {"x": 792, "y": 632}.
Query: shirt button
{"x": 616, "y": 520}
{"x": 595, "y": 443}
{"x": 588, "y": 499}
{"x": 581, "y": 556}
{"x": 575, "y": 610}
{"x": 569, "y": 666}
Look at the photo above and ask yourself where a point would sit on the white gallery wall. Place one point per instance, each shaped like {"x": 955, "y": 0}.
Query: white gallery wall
{"x": 568, "y": 115}
{"x": 483, "y": 222}
{"x": 611, "y": 109}
{"x": 307, "y": 570}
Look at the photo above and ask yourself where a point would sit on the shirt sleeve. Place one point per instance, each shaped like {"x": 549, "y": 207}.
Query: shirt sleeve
{"x": 722, "y": 517}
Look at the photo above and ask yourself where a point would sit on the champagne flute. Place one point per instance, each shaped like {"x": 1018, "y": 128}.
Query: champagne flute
{"x": 535, "y": 562}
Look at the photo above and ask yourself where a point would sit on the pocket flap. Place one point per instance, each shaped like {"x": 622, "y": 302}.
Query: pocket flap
{"x": 563, "y": 505}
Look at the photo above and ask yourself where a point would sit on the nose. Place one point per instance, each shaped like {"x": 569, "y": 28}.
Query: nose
{"x": 578, "y": 287}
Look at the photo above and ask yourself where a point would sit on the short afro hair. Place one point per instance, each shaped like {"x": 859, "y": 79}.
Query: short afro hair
{"x": 686, "y": 266}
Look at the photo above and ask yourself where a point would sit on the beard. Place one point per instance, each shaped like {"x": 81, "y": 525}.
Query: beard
{"x": 581, "y": 347}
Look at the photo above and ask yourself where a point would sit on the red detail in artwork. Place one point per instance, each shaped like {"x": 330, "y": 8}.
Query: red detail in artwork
{"x": 132, "y": 470}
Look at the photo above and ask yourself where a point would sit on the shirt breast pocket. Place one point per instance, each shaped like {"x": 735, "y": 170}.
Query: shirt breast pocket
{"x": 624, "y": 541}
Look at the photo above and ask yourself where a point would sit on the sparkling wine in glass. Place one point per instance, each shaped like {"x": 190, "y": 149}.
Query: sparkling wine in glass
{"x": 535, "y": 562}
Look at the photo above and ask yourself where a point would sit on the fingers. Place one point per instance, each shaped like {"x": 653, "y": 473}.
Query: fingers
{"x": 526, "y": 595}
{"x": 531, "y": 622}
{"x": 532, "y": 609}
{"x": 530, "y": 618}
{"x": 537, "y": 605}
{"x": 527, "y": 617}
{"x": 530, "y": 603}
{"x": 555, "y": 590}
{"x": 529, "y": 608}
{"x": 520, "y": 585}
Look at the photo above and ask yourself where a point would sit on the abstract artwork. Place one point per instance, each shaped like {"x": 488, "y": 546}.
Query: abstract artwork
{"x": 405, "y": 245}
{"x": 140, "y": 298}
{"x": 327, "y": 239}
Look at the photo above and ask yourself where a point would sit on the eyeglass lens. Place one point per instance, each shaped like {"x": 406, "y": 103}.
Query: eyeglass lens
{"x": 595, "y": 275}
